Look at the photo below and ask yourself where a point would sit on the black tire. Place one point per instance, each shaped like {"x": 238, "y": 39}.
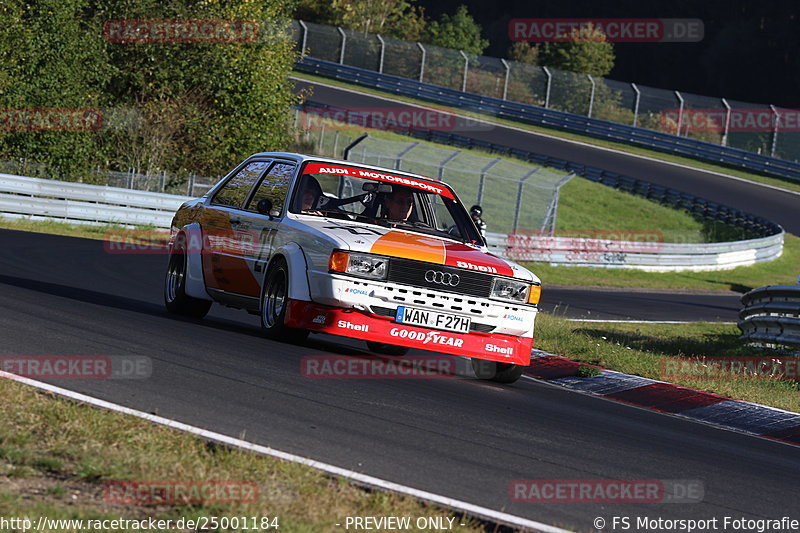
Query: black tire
{"x": 274, "y": 300}
{"x": 497, "y": 372}
{"x": 175, "y": 298}
{"x": 386, "y": 349}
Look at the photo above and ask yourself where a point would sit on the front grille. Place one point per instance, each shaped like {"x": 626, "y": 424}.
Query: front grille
{"x": 413, "y": 273}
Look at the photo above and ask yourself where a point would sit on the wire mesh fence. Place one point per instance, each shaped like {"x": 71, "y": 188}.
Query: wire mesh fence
{"x": 757, "y": 128}
{"x": 514, "y": 196}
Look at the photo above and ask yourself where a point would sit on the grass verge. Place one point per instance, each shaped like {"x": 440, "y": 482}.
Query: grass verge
{"x": 643, "y": 349}
{"x": 687, "y": 161}
{"x": 56, "y": 456}
{"x": 139, "y": 235}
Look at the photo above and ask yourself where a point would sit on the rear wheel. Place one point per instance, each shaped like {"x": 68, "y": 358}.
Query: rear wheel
{"x": 274, "y": 301}
{"x": 175, "y": 298}
{"x": 498, "y": 372}
{"x": 387, "y": 349}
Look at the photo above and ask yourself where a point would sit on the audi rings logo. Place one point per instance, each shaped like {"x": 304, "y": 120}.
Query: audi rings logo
{"x": 442, "y": 278}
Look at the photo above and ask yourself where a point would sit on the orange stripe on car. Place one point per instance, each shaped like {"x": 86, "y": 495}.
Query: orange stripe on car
{"x": 410, "y": 246}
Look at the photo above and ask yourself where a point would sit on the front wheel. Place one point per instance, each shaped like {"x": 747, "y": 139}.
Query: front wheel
{"x": 274, "y": 300}
{"x": 175, "y": 298}
{"x": 386, "y": 349}
{"x": 498, "y": 372}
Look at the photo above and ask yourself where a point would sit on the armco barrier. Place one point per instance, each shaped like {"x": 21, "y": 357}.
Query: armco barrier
{"x": 530, "y": 114}
{"x": 23, "y": 197}
{"x": 771, "y": 315}
{"x": 650, "y": 256}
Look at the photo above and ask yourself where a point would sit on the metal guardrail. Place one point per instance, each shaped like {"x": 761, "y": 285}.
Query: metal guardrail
{"x": 44, "y": 199}
{"x": 771, "y": 315}
{"x": 530, "y": 114}
{"x": 41, "y": 199}
{"x": 643, "y": 255}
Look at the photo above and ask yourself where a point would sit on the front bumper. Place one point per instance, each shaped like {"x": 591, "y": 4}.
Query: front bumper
{"x": 361, "y": 325}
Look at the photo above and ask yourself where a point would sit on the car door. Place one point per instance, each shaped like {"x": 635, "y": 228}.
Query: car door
{"x": 261, "y": 228}
{"x": 223, "y": 266}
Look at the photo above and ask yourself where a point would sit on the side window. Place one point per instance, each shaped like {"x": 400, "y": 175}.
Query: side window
{"x": 234, "y": 192}
{"x": 274, "y": 186}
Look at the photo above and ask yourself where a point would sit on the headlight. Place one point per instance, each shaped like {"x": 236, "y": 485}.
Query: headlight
{"x": 361, "y": 265}
{"x": 510, "y": 290}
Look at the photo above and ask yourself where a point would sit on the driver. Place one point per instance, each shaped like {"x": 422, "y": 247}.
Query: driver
{"x": 310, "y": 193}
{"x": 398, "y": 204}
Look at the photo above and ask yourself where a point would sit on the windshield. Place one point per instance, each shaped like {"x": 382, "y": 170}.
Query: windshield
{"x": 384, "y": 199}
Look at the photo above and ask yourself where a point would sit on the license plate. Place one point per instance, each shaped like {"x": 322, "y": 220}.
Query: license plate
{"x": 432, "y": 319}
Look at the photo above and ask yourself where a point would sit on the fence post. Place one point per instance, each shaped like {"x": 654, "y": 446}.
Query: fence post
{"x": 680, "y": 112}
{"x": 344, "y": 42}
{"x": 775, "y": 130}
{"x": 505, "y": 83}
{"x": 163, "y": 180}
{"x": 444, "y": 163}
{"x": 547, "y": 92}
{"x": 346, "y": 151}
{"x": 305, "y": 36}
{"x": 519, "y": 197}
{"x": 466, "y": 68}
{"x": 591, "y": 96}
{"x": 335, "y": 143}
{"x": 130, "y": 177}
{"x": 383, "y": 50}
{"x": 636, "y": 104}
{"x": 552, "y": 211}
{"x": 483, "y": 178}
{"x": 727, "y": 122}
{"x": 190, "y": 192}
{"x": 403, "y": 153}
{"x": 321, "y": 137}
{"x": 422, "y": 62}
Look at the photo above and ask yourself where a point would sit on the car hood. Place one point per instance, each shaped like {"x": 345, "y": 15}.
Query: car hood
{"x": 368, "y": 238}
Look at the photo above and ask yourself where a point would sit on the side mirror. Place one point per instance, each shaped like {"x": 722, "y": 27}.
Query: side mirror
{"x": 264, "y": 206}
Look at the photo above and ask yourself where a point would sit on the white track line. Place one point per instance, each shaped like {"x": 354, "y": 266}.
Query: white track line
{"x": 474, "y": 510}
{"x": 646, "y": 321}
{"x": 581, "y": 143}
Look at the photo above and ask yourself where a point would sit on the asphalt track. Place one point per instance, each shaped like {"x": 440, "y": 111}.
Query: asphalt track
{"x": 455, "y": 436}
{"x": 775, "y": 205}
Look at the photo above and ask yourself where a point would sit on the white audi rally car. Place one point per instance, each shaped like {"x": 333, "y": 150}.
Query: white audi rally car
{"x": 316, "y": 244}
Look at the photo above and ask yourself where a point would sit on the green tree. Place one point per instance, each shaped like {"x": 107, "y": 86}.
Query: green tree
{"x": 585, "y": 51}
{"x": 401, "y": 19}
{"x": 523, "y": 52}
{"x": 201, "y": 107}
{"x": 458, "y": 31}
{"x": 51, "y": 58}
